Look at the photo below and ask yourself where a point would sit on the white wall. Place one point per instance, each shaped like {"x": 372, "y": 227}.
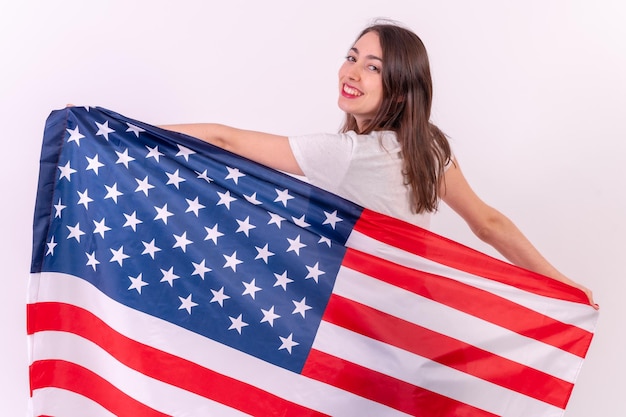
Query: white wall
{"x": 532, "y": 93}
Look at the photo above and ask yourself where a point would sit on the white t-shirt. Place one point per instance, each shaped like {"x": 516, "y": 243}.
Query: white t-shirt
{"x": 365, "y": 169}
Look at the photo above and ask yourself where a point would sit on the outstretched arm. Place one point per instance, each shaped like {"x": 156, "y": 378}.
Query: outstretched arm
{"x": 496, "y": 229}
{"x": 273, "y": 151}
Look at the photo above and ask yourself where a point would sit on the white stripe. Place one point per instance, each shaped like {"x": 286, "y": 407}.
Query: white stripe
{"x": 580, "y": 315}
{"x": 163, "y": 397}
{"x": 457, "y": 324}
{"x": 59, "y": 402}
{"x": 425, "y": 373}
{"x": 205, "y": 352}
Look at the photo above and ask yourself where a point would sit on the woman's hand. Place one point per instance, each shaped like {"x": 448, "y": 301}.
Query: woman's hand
{"x": 584, "y": 289}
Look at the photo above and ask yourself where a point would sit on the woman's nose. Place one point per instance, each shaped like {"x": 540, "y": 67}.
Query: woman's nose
{"x": 353, "y": 72}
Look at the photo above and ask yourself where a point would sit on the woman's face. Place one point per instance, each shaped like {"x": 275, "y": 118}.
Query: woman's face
{"x": 360, "y": 79}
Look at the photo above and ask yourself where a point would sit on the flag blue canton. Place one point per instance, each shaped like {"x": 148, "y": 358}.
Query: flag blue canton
{"x": 166, "y": 225}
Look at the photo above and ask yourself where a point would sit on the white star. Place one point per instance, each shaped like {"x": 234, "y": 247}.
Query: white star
{"x": 203, "y": 176}
{"x": 301, "y": 307}
{"x": 100, "y": 227}
{"x": 118, "y": 255}
{"x": 275, "y": 219}
{"x": 112, "y": 192}
{"x": 282, "y": 280}
{"x": 219, "y": 297}
{"x": 184, "y": 152}
{"x": 154, "y": 152}
{"x": 252, "y": 199}
{"x": 232, "y": 261}
{"x": 234, "y": 174}
{"x": 263, "y": 253}
{"x": 93, "y": 164}
{"x": 132, "y": 221}
{"x": 283, "y": 196}
{"x": 237, "y": 323}
{"x": 332, "y": 219}
{"x": 213, "y": 233}
{"x": 136, "y": 283}
{"x": 104, "y": 129}
{"x": 200, "y": 269}
{"x": 186, "y": 303}
{"x": 91, "y": 260}
{"x": 287, "y": 343}
{"x": 174, "y": 179}
{"x": 169, "y": 276}
{"x": 75, "y": 136}
{"x": 269, "y": 316}
{"x": 251, "y": 288}
{"x": 84, "y": 198}
{"x": 314, "y": 272}
{"x": 143, "y": 185}
{"x": 124, "y": 158}
{"x": 225, "y": 199}
{"x": 324, "y": 239}
{"x": 181, "y": 241}
{"x": 194, "y": 206}
{"x": 162, "y": 213}
{"x": 135, "y": 129}
{"x": 51, "y": 245}
{"x": 59, "y": 208}
{"x": 66, "y": 171}
{"x": 75, "y": 232}
{"x": 300, "y": 221}
{"x": 150, "y": 248}
{"x": 245, "y": 226}
{"x": 295, "y": 245}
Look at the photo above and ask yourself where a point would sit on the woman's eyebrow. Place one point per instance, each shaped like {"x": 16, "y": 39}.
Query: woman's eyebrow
{"x": 356, "y": 51}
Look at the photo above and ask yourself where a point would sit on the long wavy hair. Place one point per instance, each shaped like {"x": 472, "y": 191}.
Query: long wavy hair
{"x": 405, "y": 109}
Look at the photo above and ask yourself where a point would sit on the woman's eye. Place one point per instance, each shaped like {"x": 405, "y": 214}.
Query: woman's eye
{"x": 350, "y": 58}
{"x": 373, "y": 68}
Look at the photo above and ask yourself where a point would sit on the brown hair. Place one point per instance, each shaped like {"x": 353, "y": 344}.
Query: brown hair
{"x": 405, "y": 109}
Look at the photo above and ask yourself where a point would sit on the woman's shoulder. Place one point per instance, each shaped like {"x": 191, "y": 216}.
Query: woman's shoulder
{"x": 376, "y": 136}
{"x": 378, "y": 139}
{"x": 350, "y": 141}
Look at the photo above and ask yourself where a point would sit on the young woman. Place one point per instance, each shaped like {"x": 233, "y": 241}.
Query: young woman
{"x": 388, "y": 156}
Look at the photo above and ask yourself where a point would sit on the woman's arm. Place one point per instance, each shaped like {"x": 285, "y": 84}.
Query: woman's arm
{"x": 271, "y": 150}
{"x": 496, "y": 229}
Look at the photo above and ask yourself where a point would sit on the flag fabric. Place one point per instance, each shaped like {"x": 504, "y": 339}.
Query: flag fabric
{"x": 172, "y": 278}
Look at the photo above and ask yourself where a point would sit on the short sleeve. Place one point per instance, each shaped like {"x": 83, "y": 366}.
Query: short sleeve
{"x": 324, "y": 158}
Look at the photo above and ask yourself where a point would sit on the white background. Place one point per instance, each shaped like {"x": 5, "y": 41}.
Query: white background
{"x": 532, "y": 94}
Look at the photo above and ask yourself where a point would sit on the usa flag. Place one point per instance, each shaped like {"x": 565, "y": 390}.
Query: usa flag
{"x": 172, "y": 278}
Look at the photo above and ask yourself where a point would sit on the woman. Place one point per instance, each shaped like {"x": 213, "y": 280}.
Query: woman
{"x": 389, "y": 157}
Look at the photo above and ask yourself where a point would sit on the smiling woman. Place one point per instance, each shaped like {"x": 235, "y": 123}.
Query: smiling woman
{"x": 388, "y": 157}
{"x": 530, "y": 94}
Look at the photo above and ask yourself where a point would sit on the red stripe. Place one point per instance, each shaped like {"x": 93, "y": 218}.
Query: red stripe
{"x": 408, "y": 398}
{"x": 448, "y": 252}
{"x": 72, "y": 377}
{"x": 160, "y": 365}
{"x": 474, "y": 301}
{"x": 447, "y": 351}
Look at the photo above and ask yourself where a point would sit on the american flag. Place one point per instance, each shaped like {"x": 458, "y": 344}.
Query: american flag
{"x": 172, "y": 278}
